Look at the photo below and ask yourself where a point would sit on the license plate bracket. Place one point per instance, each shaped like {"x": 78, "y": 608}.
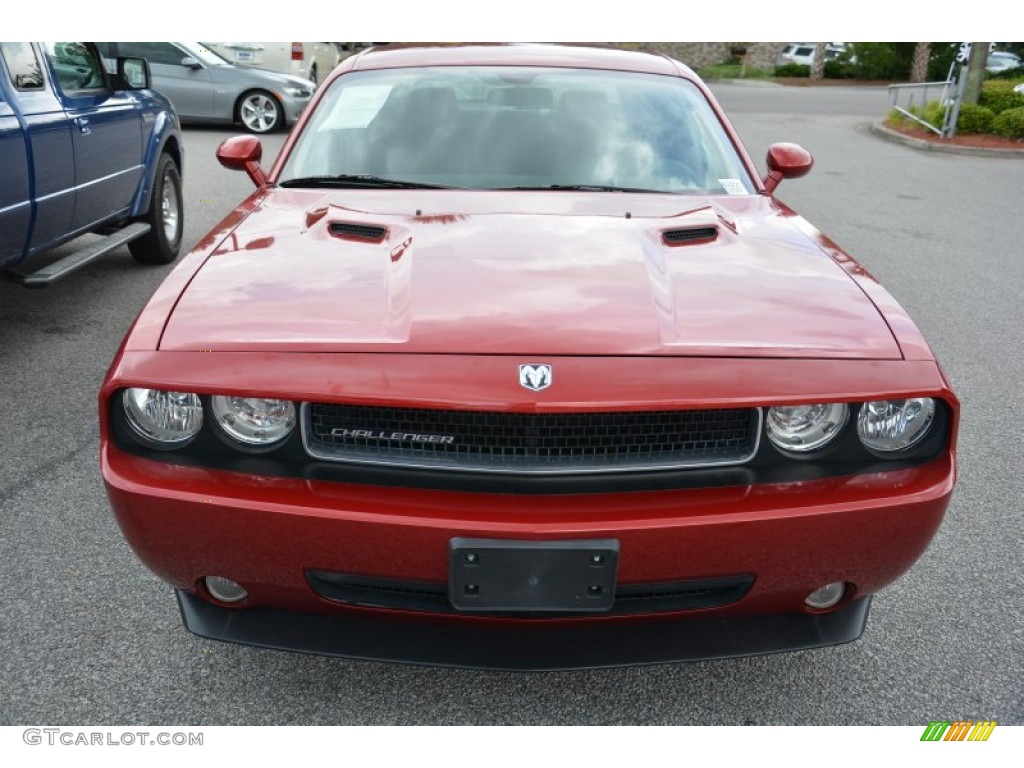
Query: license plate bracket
{"x": 506, "y": 576}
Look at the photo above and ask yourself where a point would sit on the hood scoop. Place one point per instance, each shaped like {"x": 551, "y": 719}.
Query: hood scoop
{"x": 364, "y": 233}
{"x": 689, "y": 235}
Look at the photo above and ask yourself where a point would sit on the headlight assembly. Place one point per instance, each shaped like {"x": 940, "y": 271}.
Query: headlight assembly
{"x": 255, "y": 422}
{"x": 163, "y": 419}
{"x": 805, "y": 428}
{"x": 886, "y": 426}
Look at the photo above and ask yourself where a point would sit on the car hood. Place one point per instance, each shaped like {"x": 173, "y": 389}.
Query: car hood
{"x": 524, "y": 273}
{"x": 254, "y": 76}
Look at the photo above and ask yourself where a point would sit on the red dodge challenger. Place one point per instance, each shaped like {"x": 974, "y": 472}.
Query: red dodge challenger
{"x": 512, "y": 360}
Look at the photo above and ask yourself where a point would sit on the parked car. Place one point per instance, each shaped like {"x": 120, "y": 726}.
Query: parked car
{"x": 1000, "y": 61}
{"x": 311, "y": 61}
{"x": 205, "y": 87}
{"x": 803, "y": 53}
{"x": 84, "y": 151}
{"x": 512, "y": 360}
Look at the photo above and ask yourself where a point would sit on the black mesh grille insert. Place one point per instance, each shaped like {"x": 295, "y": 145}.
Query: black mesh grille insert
{"x": 358, "y": 231}
{"x": 530, "y": 442}
{"x": 430, "y": 596}
{"x": 694, "y": 234}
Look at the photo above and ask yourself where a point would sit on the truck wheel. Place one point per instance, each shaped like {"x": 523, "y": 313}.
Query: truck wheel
{"x": 165, "y": 217}
{"x": 260, "y": 112}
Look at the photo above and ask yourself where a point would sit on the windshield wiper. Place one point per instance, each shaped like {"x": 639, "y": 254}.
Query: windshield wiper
{"x": 583, "y": 188}
{"x": 355, "y": 180}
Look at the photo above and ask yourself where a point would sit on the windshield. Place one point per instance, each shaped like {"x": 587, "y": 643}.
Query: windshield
{"x": 518, "y": 127}
{"x": 206, "y": 54}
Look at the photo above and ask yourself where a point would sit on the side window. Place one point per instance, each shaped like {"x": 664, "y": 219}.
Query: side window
{"x": 23, "y": 64}
{"x": 154, "y": 53}
{"x": 76, "y": 66}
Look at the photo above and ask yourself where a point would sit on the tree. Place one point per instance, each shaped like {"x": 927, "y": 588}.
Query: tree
{"x": 919, "y": 65}
{"x": 818, "y": 62}
{"x": 975, "y": 72}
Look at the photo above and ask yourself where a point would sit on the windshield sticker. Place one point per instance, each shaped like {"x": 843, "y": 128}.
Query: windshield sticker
{"x": 357, "y": 106}
{"x": 733, "y": 186}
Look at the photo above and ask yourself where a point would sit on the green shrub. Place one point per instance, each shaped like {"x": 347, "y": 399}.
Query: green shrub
{"x": 997, "y": 85}
{"x": 731, "y": 72}
{"x": 1007, "y": 74}
{"x": 998, "y": 96}
{"x": 933, "y": 112}
{"x": 975, "y": 119}
{"x": 793, "y": 70}
{"x": 1010, "y": 123}
{"x": 837, "y": 69}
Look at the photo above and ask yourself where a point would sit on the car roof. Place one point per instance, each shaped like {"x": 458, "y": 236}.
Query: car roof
{"x": 517, "y": 54}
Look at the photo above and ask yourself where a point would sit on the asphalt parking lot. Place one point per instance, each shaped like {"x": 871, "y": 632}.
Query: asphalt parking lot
{"x": 88, "y": 635}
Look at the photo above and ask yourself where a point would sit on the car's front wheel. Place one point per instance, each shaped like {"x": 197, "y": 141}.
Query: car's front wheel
{"x": 260, "y": 112}
{"x": 165, "y": 217}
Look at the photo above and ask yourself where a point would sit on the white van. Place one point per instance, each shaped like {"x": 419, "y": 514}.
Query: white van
{"x": 312, "y": 61}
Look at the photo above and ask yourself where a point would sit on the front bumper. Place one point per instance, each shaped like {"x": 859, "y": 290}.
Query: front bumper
{"x": 270, "y": 533}
{"x": 293, "y": 106}
{"x": 522, "y": 648}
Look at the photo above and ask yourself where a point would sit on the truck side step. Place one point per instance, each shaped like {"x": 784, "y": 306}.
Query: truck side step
{"x": 54, "y": 272}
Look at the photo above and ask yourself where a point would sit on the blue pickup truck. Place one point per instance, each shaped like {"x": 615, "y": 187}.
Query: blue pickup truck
{"x": 84, "y": 150}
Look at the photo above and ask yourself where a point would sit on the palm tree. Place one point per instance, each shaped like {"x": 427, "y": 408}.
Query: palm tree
{"x": 919, "y": 67}
{"x": 818, "y": 62}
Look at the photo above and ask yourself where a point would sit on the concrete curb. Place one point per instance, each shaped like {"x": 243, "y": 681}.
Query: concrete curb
{"x": 950, "y": 149}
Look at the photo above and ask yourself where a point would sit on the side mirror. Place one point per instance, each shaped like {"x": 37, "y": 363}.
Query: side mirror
{"x": 786, "y": 161}
{"x": 134, "y": 72}
{"x": 243, "y": 153}
{"x": 191, "y": 63}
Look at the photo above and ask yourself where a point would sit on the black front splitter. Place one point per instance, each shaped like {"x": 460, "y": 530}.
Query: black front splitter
{"x": 537, "y": 647}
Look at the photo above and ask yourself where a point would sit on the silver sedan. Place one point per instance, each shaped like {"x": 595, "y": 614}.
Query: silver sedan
{"x": 204, "y": 87}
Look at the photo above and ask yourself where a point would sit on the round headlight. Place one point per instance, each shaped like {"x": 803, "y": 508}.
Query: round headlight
{"x": 803, "y": 428}
{"x": 253, "y": 421}
{"x": 895, "y": 425}
{"x": 163, "y": 419}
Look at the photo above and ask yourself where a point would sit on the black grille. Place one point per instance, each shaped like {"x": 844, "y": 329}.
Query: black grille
{"x": 530, "y": 442}
{"x": 358, "y": 231}
{"x": 691, "y": 235}
{"x": 398, "y": 594}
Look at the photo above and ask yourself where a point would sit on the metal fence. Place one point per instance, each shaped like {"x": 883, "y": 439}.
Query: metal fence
{"x": 910, "y": 101}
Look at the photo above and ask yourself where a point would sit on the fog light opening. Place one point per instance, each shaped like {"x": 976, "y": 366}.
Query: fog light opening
{"x": 225, "y": 590}
{"x": 826, "y": 596}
